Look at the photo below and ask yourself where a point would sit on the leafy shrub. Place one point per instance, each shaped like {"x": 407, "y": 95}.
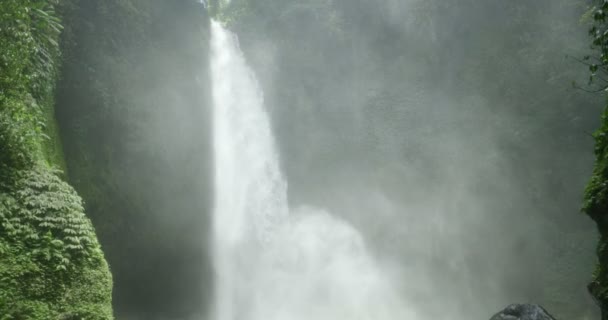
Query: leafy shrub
{"x": 48, "y": 250}
{"x": 47, "y": 214}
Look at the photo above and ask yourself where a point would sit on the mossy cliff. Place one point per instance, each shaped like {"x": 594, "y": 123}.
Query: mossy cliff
{"x": 596, "y": 206}
{"x": 51, "y": 264}
{"x": 596, "y": 194}
{"x": 132, "y": 108}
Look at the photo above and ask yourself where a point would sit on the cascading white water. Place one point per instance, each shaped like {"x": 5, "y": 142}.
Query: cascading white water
{"x": 270, "y": 263}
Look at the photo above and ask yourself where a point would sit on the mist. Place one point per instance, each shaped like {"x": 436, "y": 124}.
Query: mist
{"x": 448, "y": 135}
{"x": 444, "y": 139}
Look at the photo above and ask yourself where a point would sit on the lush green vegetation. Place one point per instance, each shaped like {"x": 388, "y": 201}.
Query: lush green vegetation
{"x": 51, "y": 265}
{"x": 29, "y": 35}
{"x": 596, "y": 195}
{"x": 413, "y": 92}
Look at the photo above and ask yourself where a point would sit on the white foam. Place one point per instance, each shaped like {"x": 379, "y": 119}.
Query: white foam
{"x": 270, "y": 264}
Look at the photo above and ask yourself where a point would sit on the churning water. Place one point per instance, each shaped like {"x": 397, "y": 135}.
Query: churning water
{"x": 271, "y": 262}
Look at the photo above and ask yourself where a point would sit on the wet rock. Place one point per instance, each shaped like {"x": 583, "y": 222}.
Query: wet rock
{"x": 523, "y": 312}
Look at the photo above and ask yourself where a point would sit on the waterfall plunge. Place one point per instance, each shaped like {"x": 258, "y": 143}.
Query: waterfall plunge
{"x": 270, "y": 263}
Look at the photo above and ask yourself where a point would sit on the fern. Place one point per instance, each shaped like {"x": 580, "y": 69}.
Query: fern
{"x": 44, "y": 212}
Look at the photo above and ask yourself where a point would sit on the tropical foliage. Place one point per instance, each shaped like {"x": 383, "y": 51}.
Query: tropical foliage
{"x": 51, "y": 265}
{"x": 596, "y": 194}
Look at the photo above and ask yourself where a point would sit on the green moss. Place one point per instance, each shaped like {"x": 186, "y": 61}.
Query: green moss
{"x": 596, "y": 193}
{"x": 32, "y": 289}
{"x": 596, "y": 206}
{"x": 51, "y": 145}
{"x": 51, "y": 265}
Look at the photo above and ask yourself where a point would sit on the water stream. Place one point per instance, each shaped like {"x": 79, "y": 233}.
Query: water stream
{"x": 273, "y": 262}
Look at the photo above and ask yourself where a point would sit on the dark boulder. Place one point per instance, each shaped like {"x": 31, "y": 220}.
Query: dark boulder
{"x": 523, "y": 312}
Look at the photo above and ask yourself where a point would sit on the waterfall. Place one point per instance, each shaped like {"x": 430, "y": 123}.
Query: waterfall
{"x": 271, "y": 262}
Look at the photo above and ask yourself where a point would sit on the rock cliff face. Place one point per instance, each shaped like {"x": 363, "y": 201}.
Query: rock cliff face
{"x": 131, "y": 107}
{"x": 523, "y": 312}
